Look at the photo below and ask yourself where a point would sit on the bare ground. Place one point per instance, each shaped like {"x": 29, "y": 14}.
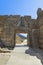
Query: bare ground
{"x": 4, "y": 55}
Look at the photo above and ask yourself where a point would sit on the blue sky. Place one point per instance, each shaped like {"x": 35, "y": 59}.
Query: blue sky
{"x": 20, "y": 7}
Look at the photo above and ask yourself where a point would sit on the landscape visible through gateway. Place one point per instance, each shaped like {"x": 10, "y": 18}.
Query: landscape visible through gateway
{"x": 20, "y": 37}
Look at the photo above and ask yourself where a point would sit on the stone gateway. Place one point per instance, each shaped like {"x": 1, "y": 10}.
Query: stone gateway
{"x": 12, "y": 24}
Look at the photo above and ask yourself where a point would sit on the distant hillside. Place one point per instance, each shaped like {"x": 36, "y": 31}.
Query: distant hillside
{"x": 21, "y": 36}
{"x": 19, "y": 39}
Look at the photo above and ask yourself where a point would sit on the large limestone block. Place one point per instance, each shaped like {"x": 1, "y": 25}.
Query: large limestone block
{"x": 41, "y": 30}
{"x": 41, "y": 37}
{"x": 13, "y": 18}
{"x": 34, "y": 24}
{"x": 41, "y": 33}
{"x": 41, "y": 43}
{"x": 8, "y": 42}
{"x": 8, "y": 37}
{"x": 27, "y": 18}
{"x": 35, "y": 37}
{"x": 41, "y": 22}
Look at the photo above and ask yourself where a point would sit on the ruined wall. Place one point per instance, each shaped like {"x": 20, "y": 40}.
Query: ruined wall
{"x": 40, "y": 24}
{"x": 12, "y": 24}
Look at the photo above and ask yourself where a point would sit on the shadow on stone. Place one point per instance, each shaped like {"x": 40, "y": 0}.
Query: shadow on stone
{"x": 35, "y": 52}
{"x": 3, "y": 46}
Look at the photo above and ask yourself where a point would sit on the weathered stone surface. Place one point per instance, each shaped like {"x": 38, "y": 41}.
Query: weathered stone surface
{"x": 40, "y": 23}
{"x": 35, "y": 38}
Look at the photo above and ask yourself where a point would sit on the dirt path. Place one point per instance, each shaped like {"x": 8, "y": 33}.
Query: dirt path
{"x": 4, "y": 57}
{"x": 19, "y": 57}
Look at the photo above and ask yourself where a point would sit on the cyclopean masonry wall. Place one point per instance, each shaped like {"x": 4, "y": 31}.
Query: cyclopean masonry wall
{"x": 12, "y": 24}
{"x": 34, "y": 34}
{"x": 40, "y": 26}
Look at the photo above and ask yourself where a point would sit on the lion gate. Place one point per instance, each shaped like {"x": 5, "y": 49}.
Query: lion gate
{"x": 12, "y": 24}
